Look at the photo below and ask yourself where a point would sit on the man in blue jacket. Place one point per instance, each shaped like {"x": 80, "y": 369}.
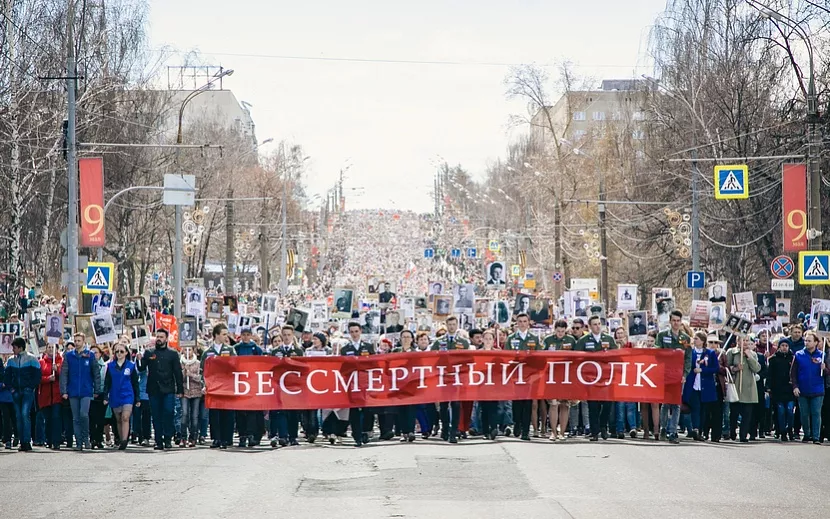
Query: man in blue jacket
{"x": 22, "y": 378}
{"x": 80, "y": 376}
{"x": 249, "y": 424}
{"x": 807, "y": 375}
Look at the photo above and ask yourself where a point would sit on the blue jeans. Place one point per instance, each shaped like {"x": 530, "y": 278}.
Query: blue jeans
{"x": 177, "y": 416}
{"x": 190, "y": 418}
{"x": 23, "y": 400}
{"x": 204, "y": 419}
{"x": 811, "y": 415}
{"x": 670, "y": 424}
{"x": 785, "y": 412}
{"x": 626, "y": 411}
{"x": 695, "y": 405}
{"x": 40, "y": 427}
{"x": 161, "y": 408}
{"x": 80, "y": 419}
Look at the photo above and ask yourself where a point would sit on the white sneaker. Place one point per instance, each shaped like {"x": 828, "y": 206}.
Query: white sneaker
{"x": 552, "y": 437}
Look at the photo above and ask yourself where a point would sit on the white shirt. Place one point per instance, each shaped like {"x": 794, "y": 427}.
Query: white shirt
{"x": 523, "y": 335}
{"x": 696, "y": 386}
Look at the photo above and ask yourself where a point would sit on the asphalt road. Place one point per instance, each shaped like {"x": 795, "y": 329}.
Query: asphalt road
{"x": 427, "y": 479}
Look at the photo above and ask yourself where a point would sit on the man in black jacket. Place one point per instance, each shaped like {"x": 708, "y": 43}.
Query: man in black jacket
{"x": 164, "y": 384}
{"x": 780, "y": 390}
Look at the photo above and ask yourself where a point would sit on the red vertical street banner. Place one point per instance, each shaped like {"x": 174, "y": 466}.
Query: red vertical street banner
{"x": 91, "y": 176}
{"x": 257, "y": 383}
{"x": 169, "y": 323}
{"x": 794, "y": 207}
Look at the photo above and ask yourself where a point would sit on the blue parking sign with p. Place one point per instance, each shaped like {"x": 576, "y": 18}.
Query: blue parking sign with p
{"x": 695, "y": 279}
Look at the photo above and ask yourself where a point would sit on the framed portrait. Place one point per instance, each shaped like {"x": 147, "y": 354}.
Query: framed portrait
{"x": 463, "y": 297}
{"x": 343, "y": 302}
{"x": 298, "y": 319}
{"x": 421, "y": 303}
{"x": 103, "y": 329}
{"x": 319, "y": 312}
{"x": 83, "y": 324}
{"x": 783, "y": 311}
{"x": 385, "y": 292}
{"x": 495, "y": 274}
{"x": 499, "y": 312}
{"x": 195, "y": 301}
{"x": 637, "y": 326}
{"x": 103, "y": 302}
{"x": 717, "y": 315}
{"x": 626, "y": 297}
{"x": 154, "y": 301}
{"x": 188, "y": 331}
{"x": 232, "y": 303}
{"x": 442, "y": 307}
{"x": 134, "y": 311}
{"x": 214, "y": 307}
{"x": 370, "y": 322}
{"x": 14, "y": 328}
{"x": 393, "y": 323}
{"x": 522, "y": 304}
{"x": 372, "y": 284}
{"x": 269, "y": 303}
{"x": 540, "y": 315}
{"x": 436, "y": 288}
{"x": 6, "y": 344}
{"x": 118, "y": 319}
{"x": 54, "y": 326}
{"x": 68, "y": 332}
{"x": 481, "y": 308}
{"x": 408, "y": 307}
{"x": 717, "y": 292}
{"x": 765, "y": 305}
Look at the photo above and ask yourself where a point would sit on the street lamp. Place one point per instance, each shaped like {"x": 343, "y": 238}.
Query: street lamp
{"x": 177, "y": 260}
{"x": 813, "y": 137}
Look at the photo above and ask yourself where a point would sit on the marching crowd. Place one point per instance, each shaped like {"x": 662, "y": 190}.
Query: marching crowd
{"x": 81, "y": 395}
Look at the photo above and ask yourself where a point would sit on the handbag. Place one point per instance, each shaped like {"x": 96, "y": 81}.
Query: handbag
{"x": 731, "y": 391}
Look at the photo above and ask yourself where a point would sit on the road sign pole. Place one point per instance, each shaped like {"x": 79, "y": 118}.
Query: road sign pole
{"x": 695, "y": 223}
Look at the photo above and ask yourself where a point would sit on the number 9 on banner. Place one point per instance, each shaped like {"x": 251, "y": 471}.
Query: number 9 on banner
{"x": 797, "y": 222}
{"x": 91, "y": 176}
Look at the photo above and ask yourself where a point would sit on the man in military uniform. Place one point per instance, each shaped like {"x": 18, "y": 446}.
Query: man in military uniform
{"x": 522, "y": 340}
{"x": 450, "y": 412}
{"x": 221, "y": 421}
{"x": 284, "y": 424}
{"x": 593, "y": 342}
{"x": 357, "y": 348}
{"x": 674, "y": 338}
{"x": 560, "y": 339}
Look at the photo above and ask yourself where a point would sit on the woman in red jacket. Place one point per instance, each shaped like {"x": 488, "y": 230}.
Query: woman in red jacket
{"x": 49, "y": 395}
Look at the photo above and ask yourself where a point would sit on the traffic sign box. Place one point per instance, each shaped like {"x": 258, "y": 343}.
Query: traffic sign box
{"x": 99, "y": 276}
{"x": 494, "y": 246}
{"x": 429, "y": 253}
{"x": 472, "y": 253}
{"x": 782, "y": 267}
{"x": 782, "y": 285}
{"x": 456, "y": 253}
{"x": 814, "y": 267}
{"x": 695, "y": 279}
{"x": 732, "y": 182}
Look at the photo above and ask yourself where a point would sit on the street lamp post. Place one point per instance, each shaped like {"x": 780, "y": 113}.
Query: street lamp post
{"x": 177, "y": 255}
{"x": 813, "y": 134}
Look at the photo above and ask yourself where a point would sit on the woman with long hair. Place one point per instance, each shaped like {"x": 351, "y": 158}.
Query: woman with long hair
{"x": 121, "y": 391}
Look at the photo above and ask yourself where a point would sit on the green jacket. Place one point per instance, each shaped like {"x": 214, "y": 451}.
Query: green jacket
{"x": 666, "y": 340}
{"x": 745, "y": 377}
{"x": 531, "y": 342}
{"x": 444, "y": 343}
{"x": 590, "y": 345}
{"x": 363, "y": 350}
{"x": 552, "y": 342}
{"x": 224, "y": 351}
{"x": 282, "y": 351}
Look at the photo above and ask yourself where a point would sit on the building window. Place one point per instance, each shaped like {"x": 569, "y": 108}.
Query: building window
{"x": 638, "y": 135}
{"x": 578, "y": 134}
{"x": 638, "y": 116}
{"x": 579, "y": 116}
{"x": 616, "y": 116}
{"x": 599, "y": 116}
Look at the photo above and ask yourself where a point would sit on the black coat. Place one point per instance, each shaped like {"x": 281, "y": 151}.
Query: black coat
{"x": 164, "y": 371}
{"x": 778, "y": 377}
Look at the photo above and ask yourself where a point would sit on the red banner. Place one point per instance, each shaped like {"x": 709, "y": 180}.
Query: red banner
{"x": 169, "y": 323}
{"x": 91, "y": 177}
{"x": 794, "y": 207}
{"x": 265, "y": 383}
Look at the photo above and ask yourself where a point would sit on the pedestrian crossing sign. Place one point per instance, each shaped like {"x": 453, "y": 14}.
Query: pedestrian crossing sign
{"x": 731, "y": 182}
{"x": 814, "y": 267}
{"x": 99, "y": 276}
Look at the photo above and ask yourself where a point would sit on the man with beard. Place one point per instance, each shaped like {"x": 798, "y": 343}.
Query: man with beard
{"x": 164, "y": 383}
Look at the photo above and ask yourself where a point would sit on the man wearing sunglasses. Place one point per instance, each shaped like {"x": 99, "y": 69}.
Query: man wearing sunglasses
{"x": 164, "y": 384}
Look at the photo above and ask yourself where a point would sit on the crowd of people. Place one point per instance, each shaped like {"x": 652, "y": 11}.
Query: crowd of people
{"x": 80, "y": 395}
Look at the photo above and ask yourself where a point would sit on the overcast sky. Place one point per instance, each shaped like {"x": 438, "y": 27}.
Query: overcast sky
{"x": 392, "y": 122}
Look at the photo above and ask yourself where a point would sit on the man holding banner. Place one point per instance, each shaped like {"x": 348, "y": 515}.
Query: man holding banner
{"x": 595, "y": 341}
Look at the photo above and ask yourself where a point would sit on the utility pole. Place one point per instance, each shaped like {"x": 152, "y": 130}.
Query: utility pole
{"x": 557, "y": 250}
{"x": 603, "y": 249}
{"x": 71, "y": 166}
{"x": 264, "y": 252}
{"x": 230, "y": 260}
{"x": 284, "y": 249}
{"x": 813, "y": 161}
{"x": 695, "y": 222}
